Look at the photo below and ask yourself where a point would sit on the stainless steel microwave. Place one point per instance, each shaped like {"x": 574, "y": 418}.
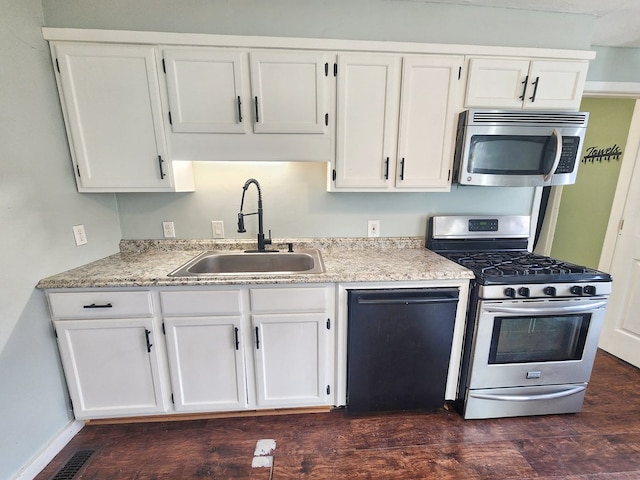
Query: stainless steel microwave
{"x": 518, "y": 148}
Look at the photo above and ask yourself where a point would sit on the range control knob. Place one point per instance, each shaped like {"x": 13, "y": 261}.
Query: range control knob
{"x": 523, "y": 291}
{"x": 590, "y": 290}
{"x": 551, "y": 291}
{"x": 510, "y": 292}
{"x": 576, "y": 290}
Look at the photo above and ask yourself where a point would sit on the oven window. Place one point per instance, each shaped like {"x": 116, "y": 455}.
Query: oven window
{"x": 511, "y": 154}
{"x": 538, "y": 339}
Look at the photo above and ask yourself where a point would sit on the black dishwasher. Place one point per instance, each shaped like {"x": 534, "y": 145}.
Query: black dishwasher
{"x": 399, "y": 344}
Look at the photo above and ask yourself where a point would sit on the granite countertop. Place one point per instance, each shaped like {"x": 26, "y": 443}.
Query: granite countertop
{"x": 147, "y": 263}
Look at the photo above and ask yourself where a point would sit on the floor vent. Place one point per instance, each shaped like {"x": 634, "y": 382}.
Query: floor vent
{"x": 73, "y": 465}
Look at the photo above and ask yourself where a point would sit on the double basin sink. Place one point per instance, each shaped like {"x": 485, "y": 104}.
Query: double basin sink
{"x": 252, "y": 263}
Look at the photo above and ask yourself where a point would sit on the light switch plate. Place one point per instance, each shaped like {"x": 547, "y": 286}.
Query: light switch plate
{"x": 217, "y": 227}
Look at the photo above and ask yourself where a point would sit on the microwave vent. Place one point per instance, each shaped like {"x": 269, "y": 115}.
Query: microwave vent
{"x": 543, "y": 118}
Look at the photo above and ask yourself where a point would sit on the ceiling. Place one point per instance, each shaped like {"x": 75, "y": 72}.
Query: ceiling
{"x": 617, "y": 22}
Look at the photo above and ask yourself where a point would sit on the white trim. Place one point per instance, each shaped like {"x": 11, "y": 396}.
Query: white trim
{"x": 45, "y": 456}
{"x": 612, "y": 89}
{"x": 547, "y": 233}
{"x": 247, "y": 41}
{"x": 630, "y": 159}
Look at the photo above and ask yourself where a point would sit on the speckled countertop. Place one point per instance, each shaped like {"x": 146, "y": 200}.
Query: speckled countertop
{"x": 145, "y": 263}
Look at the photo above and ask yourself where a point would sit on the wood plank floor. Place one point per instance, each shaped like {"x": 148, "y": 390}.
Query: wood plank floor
{"x": 602, "y": 442}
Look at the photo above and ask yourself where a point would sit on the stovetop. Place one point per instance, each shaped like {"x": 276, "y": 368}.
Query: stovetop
{"x": 502, "y": 267}
{"x": 495, "y": 249}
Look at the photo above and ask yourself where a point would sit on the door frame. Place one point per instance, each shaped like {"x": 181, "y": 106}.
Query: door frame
{"x": 602, "y": 90}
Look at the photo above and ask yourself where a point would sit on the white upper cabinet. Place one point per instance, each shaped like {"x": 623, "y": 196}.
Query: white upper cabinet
{"x": 257, "y": 105}
{"x": 288, "y": 92}
{"x": 396, "y": 122}
{"x": 367, "y": 119}
{"x": 205, "y": 90}
{"x": 524, "y": 84}
{"x": 111, "y": 102}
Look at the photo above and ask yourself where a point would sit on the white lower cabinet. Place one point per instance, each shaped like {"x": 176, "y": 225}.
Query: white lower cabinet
{"x": 112, "y": 366}
{"x": 228, "y": 348}
{"x": 206, "y": 363}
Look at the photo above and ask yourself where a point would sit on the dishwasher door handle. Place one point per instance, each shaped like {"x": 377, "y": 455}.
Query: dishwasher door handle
{"x": 405, "y": 301}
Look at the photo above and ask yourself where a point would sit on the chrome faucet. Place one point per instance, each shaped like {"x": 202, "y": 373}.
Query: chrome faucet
{"x": 261, "y": 240}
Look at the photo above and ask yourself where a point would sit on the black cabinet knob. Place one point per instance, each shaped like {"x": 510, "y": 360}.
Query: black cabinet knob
{"x": 510, "y": 292}
{"x": 523, "y": 291}
{"x": 590, "y": 290}
{"x": 551, "y": 291}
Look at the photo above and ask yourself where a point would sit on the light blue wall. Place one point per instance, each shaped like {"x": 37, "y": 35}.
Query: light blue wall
{"x": 38, "y": 206}
{"x": 615, "y": 65}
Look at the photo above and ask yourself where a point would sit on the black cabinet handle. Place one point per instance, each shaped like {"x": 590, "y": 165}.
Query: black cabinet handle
{"x": 236, "y": 336}
{"x": 535, "y": 90}
{"x": 93, "y": 305}
{"x": 149, "y": 344}
{"x": 160, "y": 162}
{"x": 386, "y": 169}
{"x": 524, "y": 88}
{"x": 256, "y": 104}
{"x": 257, "y": 339}
{"x": 239, "y": 110}
{"x": 402, "y": 169}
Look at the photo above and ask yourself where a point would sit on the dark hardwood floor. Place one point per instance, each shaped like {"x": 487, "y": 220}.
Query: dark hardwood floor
{"x": 602, "y": 442}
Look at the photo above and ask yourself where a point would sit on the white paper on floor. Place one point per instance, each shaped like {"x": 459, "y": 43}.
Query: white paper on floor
{"x": 262, "y": 454}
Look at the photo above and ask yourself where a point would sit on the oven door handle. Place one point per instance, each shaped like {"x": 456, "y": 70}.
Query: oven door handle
{"x": 556, "y": 161}
{"x": 554, "y": 310}
{"x": 529, "y": 398}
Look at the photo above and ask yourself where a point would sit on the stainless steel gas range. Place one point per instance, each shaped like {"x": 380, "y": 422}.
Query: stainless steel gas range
{"x": 533, "y": 321}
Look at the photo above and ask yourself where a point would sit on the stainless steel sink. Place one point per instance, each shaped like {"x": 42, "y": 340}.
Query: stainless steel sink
{"x": 252, "y": 263}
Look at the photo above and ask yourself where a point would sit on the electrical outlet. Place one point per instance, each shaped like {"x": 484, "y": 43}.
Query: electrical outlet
{"x": 373, "y": 228}
{"x": 217, "y": 227}
{"x": 168, "y": 229}
{"x": 79, "y": 235}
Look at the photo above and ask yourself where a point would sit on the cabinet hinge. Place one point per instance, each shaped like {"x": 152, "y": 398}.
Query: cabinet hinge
{"x": 164, "y": 332}
{"x": 170, "y": 120}
{"x": 328, "y": 324}
{"x": 55, "y": 332}
{"x": 57, "y": 66}
{"x": 459, "y": 73}
{"x": 326, "y": 119}
{"x": 164, "y": 67}
{"x": 326, "y": 69}
{"x": 78, "y": 170}
{"x": 335, "y": 69}
{"x": 334, "y": 174}
{"x": 449, "y": 175}
{"x": 621, "y": 225}
{"x": 172, "y": 400}
{"x": 328, "y": 389}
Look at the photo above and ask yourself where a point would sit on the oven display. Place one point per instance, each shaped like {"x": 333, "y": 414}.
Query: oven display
{"x": 483, "y": 225}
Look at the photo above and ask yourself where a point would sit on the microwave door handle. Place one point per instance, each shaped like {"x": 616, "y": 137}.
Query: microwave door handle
{"x": 556, "y": 133}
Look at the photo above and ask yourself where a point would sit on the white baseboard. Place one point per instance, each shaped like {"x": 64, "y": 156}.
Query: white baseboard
{"x": 55, "y": 446}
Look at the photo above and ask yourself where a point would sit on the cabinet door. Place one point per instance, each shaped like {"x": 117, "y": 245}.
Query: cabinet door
{"x": 431, "y": 98}
{"x": 368, "y": 99}
{"x": 289, "y": 92}
{"x": 556, "y": 84}
{"x": 111, "y": 100}
{"x": 497, "y": 83}
{"x": 205, "y": 90}
{"x": 206, "y": 363}
{"x": 291, "y": 360}
{"x": 111, "y": 366}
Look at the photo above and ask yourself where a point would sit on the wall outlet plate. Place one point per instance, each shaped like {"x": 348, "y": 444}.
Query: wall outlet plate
{"x": 373, "y": 228}
{"x": 79, "y": 235}
{"x": 168, "y": 230}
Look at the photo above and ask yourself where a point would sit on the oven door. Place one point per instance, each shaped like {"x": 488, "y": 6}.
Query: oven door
{"x": 535, "y": 342}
